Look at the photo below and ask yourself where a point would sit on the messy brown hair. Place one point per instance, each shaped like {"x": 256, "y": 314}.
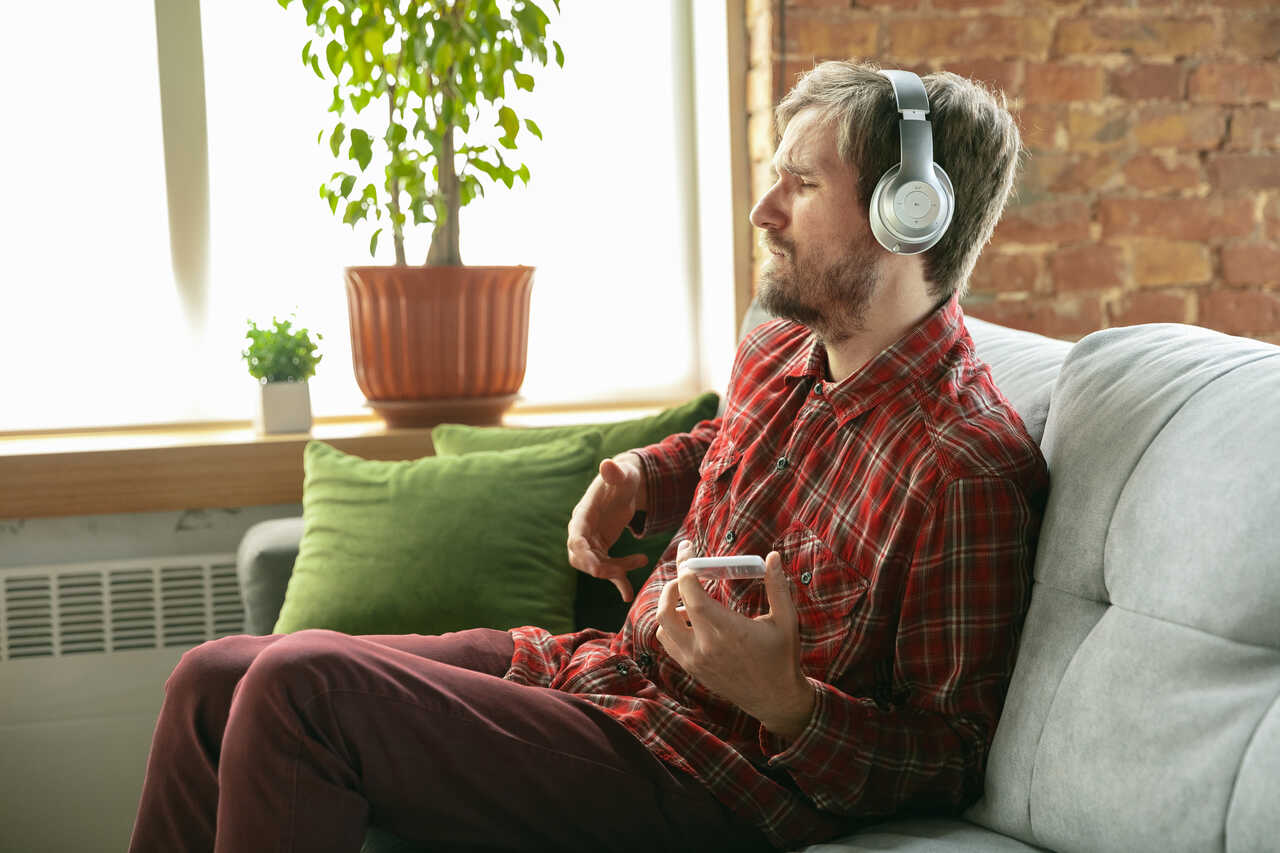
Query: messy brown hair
{"x": 975, "y": 141}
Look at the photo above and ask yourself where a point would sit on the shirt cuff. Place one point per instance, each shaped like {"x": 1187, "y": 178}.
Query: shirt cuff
{"x": 815, "y": 736}
{"x": 648, "y": 520}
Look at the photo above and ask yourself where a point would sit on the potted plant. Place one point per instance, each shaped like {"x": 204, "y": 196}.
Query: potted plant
{"x": 282, "y": 359}
{"x": 440, "y": 341}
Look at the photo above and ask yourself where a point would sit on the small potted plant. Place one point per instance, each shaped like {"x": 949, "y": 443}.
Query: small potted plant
{"x": 282, "y": 359}
{"x": 440, "y": 340}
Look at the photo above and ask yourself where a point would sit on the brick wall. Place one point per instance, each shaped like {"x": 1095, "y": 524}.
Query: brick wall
{"x": 1152, "y": 189}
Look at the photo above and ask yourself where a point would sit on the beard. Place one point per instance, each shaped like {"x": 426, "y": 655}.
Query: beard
{"x": 831, "y": 300}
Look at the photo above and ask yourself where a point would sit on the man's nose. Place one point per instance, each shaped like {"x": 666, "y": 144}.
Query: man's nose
{"x": 768, "y": 214}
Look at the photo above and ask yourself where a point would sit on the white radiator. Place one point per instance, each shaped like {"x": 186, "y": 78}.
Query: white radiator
{"x": 84, "y": 653}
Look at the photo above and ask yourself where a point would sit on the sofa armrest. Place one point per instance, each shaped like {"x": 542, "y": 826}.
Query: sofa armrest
{"x": 264, "y": 562}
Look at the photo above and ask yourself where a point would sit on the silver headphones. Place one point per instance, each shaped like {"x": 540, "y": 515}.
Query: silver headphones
{"x": 912, "y": 204}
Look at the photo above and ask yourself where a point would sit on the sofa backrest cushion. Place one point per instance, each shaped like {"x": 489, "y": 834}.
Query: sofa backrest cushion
{"x": 1143, "y": 709}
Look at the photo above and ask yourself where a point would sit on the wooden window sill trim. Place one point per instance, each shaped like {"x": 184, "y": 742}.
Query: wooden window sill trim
{"x": 204, "y": 466}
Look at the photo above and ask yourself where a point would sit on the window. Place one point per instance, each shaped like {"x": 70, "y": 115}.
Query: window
{"x": 99, "y": 331}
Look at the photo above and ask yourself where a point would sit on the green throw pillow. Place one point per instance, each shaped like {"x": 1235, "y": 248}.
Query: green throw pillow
{"x": 455, "y": 439}
{"x": 598, "y": 602}
{"x": 438, "y": 544}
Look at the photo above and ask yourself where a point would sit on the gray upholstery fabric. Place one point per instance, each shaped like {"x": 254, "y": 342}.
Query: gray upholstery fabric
{"x": 925, "y": 836}
{"x": 1142, "y": 712}
{"x": 264, "y": 563}
{"x": 1023, "y": 365}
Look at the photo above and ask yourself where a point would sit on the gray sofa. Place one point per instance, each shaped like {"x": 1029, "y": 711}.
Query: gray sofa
{"x": 1144, "y": 711}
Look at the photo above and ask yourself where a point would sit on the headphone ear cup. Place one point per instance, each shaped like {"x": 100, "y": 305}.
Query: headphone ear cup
{"x": 908, "y": 217}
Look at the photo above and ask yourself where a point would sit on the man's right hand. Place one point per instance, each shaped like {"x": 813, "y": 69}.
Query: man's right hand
{"x": 598, "y": 520}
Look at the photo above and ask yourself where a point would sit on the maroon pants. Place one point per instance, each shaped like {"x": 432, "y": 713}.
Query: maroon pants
{"x": 298, "y": 742}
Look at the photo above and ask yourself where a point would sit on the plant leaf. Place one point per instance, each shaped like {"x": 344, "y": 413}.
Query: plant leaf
{"x": 333, "y": 54}
{"x": 335, "y": 141}
{"x": 533, "y": 127}
{"x": 373, "y": 243}
{"x": 507, "y": 119}
{"x": 361, "y": 147}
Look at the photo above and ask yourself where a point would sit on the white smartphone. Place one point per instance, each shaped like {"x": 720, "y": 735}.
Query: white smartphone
{"x": 749, "y": 566}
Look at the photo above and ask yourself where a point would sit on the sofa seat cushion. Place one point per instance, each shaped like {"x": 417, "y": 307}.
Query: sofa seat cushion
{"x": 924, "y": 835}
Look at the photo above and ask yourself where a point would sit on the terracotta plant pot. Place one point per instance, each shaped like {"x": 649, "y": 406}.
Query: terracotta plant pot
{"x": 433, "y": 344}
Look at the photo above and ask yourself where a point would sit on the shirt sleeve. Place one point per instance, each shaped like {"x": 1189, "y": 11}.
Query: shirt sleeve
{"x": 922, "y": 743}
{"x": 671, "y": 477}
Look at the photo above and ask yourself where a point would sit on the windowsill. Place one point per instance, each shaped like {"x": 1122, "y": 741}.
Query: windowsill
{"x": 203, "y": 466}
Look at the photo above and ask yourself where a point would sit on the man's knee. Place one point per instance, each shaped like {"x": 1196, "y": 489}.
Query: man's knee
{"x": 213, "y": 667}
{"x": 306, "y": 661}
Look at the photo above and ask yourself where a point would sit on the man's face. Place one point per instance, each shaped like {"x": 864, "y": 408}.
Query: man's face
{"x": 824, "y": 263}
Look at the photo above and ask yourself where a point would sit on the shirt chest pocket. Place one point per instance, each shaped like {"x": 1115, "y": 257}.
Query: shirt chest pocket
{"x": 827, "y": 592}
{"x": 716, "y": 473}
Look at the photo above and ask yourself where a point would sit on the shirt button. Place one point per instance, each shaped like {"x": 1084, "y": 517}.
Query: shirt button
{"x": 729, "y": 537}
{"x": 806, "y": 577}
{"x": 782, "y": 463}
{"x": 817, "y": 389}
{"x": 644, "y": 659}
{"x": 622, "y": 669}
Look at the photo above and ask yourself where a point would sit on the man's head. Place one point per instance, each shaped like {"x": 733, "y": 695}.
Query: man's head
{"x": 839, "y": 134}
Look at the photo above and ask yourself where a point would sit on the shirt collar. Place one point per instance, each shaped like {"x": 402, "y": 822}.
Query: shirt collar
{"x": 885, "y": 375}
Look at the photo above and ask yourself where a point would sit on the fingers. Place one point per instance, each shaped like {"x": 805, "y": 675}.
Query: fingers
{"x": 587, "y": 558}
{"x": 674, "y": 633}
{"x": 612, "y": 472}
{"x": 778, "y": 589}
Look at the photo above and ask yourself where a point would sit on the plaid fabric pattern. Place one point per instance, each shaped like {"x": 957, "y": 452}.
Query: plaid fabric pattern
{"x": 906, "y": 504}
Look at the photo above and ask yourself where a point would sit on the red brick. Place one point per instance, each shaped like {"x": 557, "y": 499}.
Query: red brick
{"x": 1089, "y": 173}
{"x": 1234, "y": 83}
{"x": 1070, "y": 318}
{"x": 1046, "y": 175}
{"x": 1251, "y": 265}
{"x": 967, "y": 4}
{"x": 1253, "y": 36}
{"x": 1005, "y": 272}
{"x": 1148, "y": 81}
{"x": 1093, "y": 266}
{"x": 1045, "y": 222}
{"x": 1144, "y": 37}
{"x": 982, "y": 37}
{"x": 1149, "y": 306}
{"x": 1240, "y": 312}
{"x": 1255, "y": 127}
{"x": 1207, "y": 219}
{"x": 831, "y": 36}
{"x": 1230, "y": 172}
{"x": 1003, "y": 75}
{"x": 1152, "y": 173}
{"x": 1089, "y": 129}
{"x": 1043, "y": 128}
{"x": 1180, "y": 126}
{"x": 1159, "y": 262}
{"x": 1049, "y": 82}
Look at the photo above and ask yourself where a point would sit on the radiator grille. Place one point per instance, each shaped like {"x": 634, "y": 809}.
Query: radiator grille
{"x": 48, "y": 611}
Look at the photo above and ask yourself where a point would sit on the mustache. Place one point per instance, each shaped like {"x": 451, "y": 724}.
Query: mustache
{"x": 780, "y": 245}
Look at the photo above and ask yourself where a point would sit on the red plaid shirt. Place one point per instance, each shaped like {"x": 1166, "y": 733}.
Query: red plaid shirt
{"x": 906, "y": 504}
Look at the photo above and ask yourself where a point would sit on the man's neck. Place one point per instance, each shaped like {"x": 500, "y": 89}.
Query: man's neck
{"x": 896, "y": 309}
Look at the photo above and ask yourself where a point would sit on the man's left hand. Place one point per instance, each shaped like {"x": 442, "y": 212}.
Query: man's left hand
{"x": 752, "y": 662}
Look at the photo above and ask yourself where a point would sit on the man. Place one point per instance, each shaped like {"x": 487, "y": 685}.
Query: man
{"x": 863, "y": 449}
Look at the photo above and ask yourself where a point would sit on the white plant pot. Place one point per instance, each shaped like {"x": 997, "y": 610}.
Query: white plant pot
{"x": 283, "y": 407}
